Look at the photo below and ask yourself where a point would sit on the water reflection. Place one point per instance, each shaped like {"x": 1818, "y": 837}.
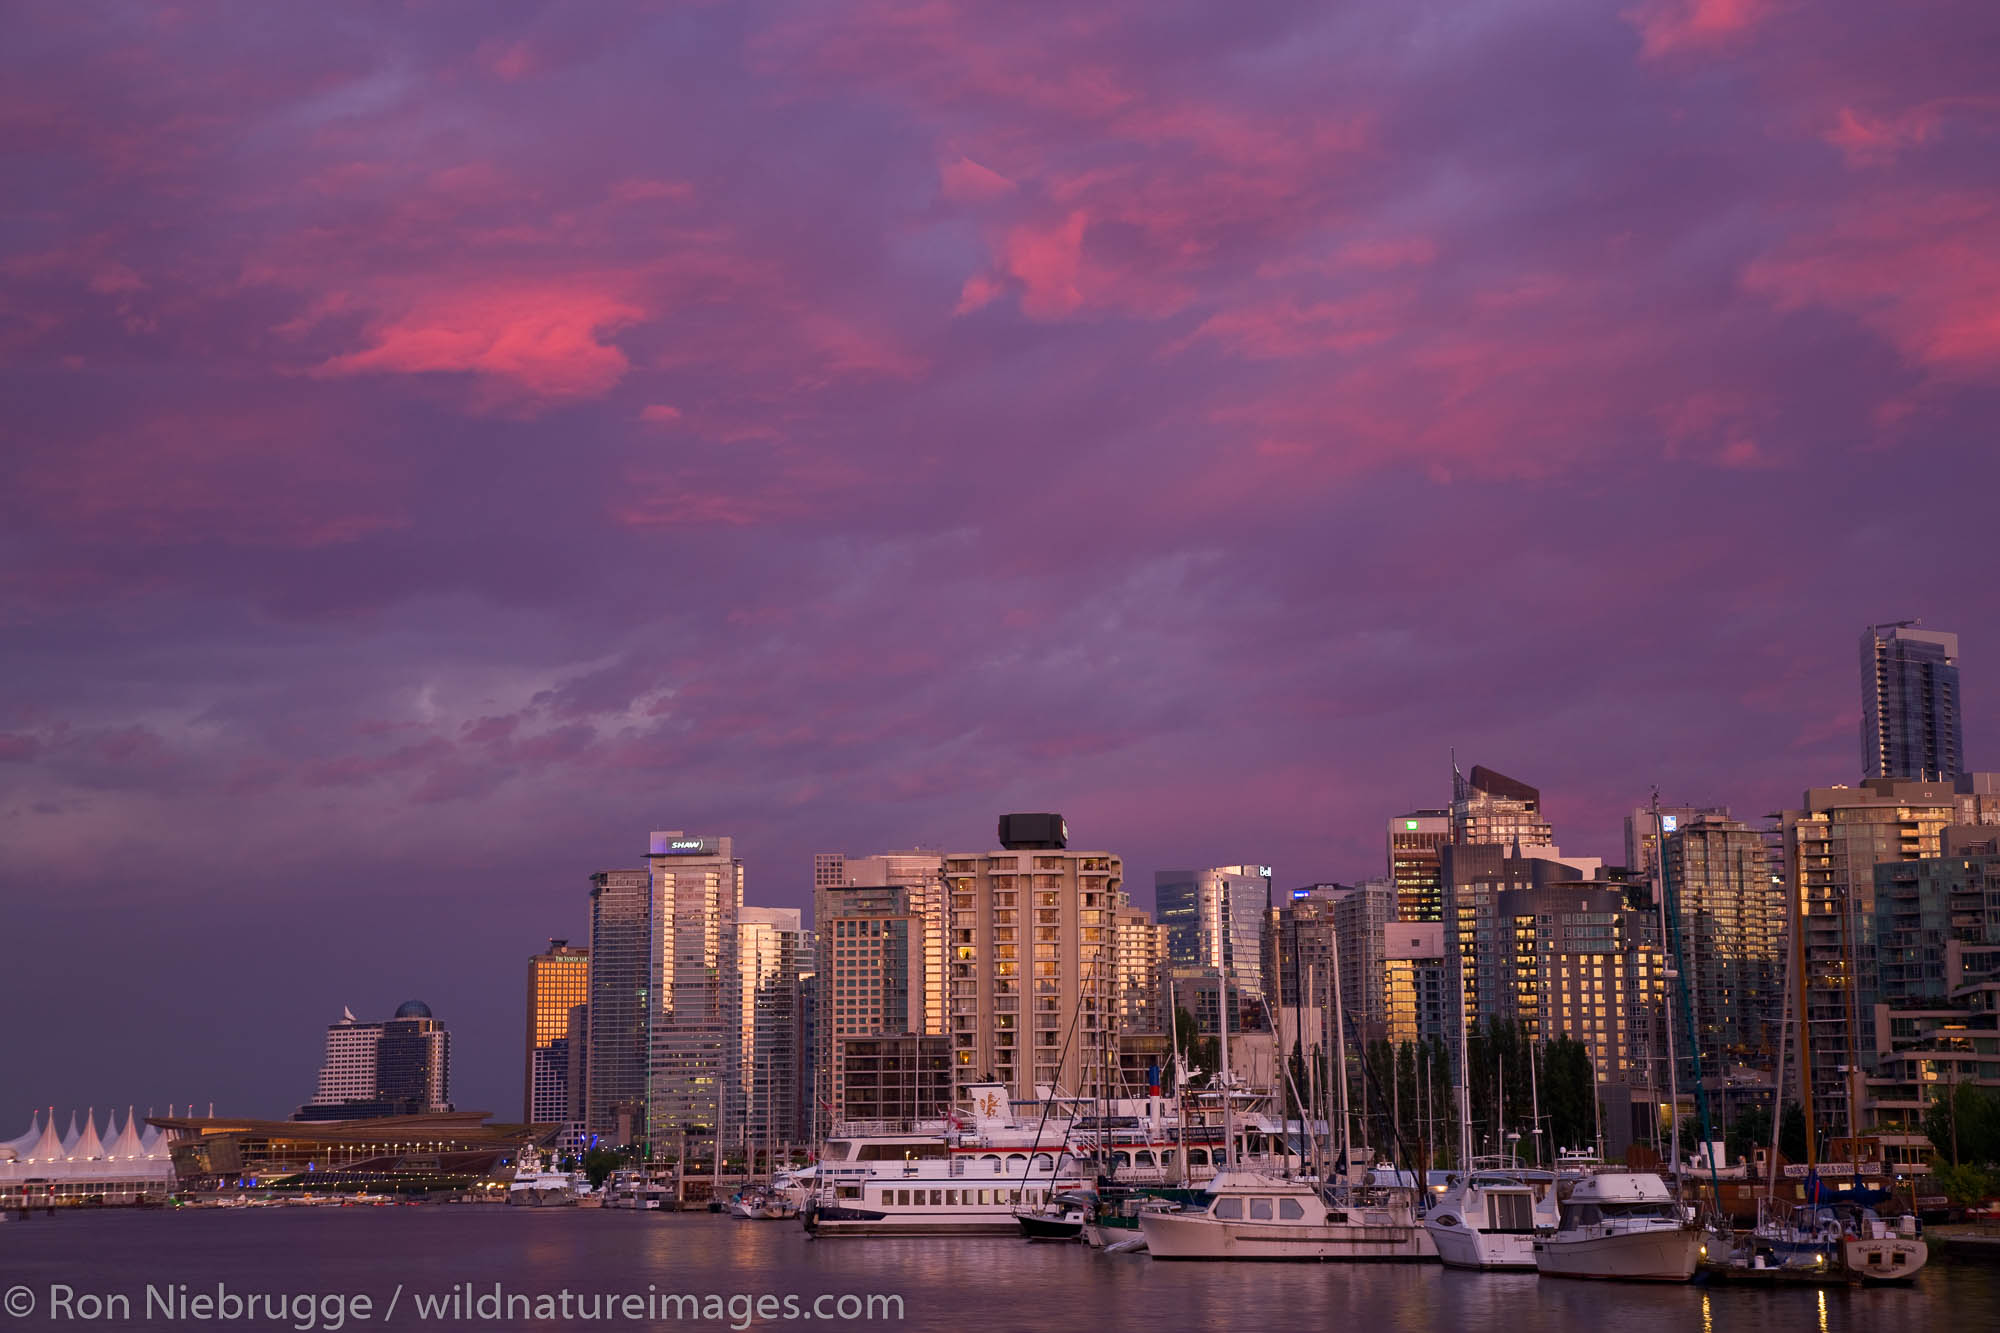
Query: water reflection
{"x": 965, "y": 1285}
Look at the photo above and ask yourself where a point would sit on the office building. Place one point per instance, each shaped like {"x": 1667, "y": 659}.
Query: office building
{"x": 558, "y": 981}
{"x": 1032, "y": 964}
{"x": 616, "y": 1052}
{"x": 1215, "y": 918}
{"x": 694, "y": 1061}
{"x": 1414, "y": 840}
{"x": 1298, "y": 945}
{"x": 774, "y": 954}
{"x": 413, "y": 1060}
{"x": 1910, "y": 725}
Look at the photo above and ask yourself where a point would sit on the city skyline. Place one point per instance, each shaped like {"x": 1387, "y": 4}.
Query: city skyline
{"x": 445, "y": 446}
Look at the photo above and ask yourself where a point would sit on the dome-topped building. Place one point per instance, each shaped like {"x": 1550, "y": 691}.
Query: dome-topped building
{"x": 401, "y": 1066}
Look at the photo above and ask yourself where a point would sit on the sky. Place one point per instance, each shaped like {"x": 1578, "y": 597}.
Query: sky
{"x": 441, "y": 443}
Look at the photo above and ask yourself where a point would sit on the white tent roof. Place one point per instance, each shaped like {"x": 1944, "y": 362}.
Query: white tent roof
{"x": 127, "y": 1147}
{"x": 70, "y": 1136}
{"x": 154, "y": 1143}
{"x": 48, "y": 1148}
{"x": 89, "y": 1148}
{"x": 27, "y": 1140}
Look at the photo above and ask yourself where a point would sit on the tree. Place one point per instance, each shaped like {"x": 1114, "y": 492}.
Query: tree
{"x": 1964, "y": 1126}
{"x": 599, "y": 1163}
{"x": 1751, "y": 1131}
{"x": 1792, "y": 1132}
{"x": 1569, "y": 1094}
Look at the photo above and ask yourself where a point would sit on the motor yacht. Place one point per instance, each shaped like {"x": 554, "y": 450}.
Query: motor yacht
{"x": 1621, "y": 1224}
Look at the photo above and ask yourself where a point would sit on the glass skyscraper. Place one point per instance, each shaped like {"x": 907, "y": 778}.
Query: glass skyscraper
{"x": 1909, "y": 704}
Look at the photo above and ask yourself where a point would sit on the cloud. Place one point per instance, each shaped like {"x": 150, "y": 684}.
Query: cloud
{"x": 1668, "y": 27}
{"x": 550, "y": 342}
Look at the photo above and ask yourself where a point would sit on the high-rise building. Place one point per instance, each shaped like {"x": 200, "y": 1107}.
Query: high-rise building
{"x": 1177, "y": 907}
{"x": 1832, "y": 845}
{"x": 1138, "y": 948}
{"x": 1298, "y": 945}
{"x": 773, "y": 953}
{"x": 1326, "y": 932}
{"x": 1416, "y": 983}
{"x": 1730, "y": 915}
{"x": 1910, "y": 724}
{"x": 558, "y": 981}
{"x": 1642, "y": 839}
{"x": 1359, "y": 918}
{"x": 617, "y": 1054}
{"x": 1929, "y": 915}
{"x": 921, "y": 874}
{"x": 413, "y": 1062}
{"x": 1414, "y": 840}
{"x": 1215, "y": 918}
{"x": 695, "y": 1046}
{"x": 348, "y": 1074}
{"x": 1032, "y": 962}
{"x": 1476, "y": 875}
{"x": 1491, "y": 807}
{"x": 874, "y": 1059}
{"x": 400, "y": 1067}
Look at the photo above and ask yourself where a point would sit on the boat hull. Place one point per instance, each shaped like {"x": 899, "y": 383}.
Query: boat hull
{"x": 1882, "y": 1260}
{"x": 1460, "y": 1247}
{"x": 1050, "y": 1228}
{"x": 829, "y": 1220}
{"x": 1662, "y": 1255}
{"x": 1197, "y": 1236}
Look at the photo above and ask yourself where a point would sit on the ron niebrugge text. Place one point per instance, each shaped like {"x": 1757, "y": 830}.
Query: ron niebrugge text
{"x": 187, "y": 1303}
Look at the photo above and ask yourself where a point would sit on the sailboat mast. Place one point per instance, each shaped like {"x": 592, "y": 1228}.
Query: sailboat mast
{"x": 1535, "y": 1097}
{"x": 1464, "y": 1072}
{"x": 1228, "y": 1111}
{"x": 1669, "y": 974}
{"x": 1778, "y": 1079}
{"x": 1340, "y": 1047}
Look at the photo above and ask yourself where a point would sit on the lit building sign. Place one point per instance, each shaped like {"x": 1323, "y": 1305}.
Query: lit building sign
{"x": 1410, "y": 825}
{"x": 1669, "y": 823}
{"x": 667, "y": 844}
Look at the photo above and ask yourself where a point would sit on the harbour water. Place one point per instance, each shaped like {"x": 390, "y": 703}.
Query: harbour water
{"x": 426, "y": 1256}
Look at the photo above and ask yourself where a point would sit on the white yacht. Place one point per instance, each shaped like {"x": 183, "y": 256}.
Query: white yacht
{"x": 1255, "y": 1215}
{"x": 1490, "y": 1216}
{"x": 1621, "y": 1224}
{"x": 538, "y": 1185}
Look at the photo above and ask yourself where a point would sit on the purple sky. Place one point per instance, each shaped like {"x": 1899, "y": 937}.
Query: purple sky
{"x": 440, "y": 446}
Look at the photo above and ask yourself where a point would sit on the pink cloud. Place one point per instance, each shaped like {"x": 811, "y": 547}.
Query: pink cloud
{"x": 547, "y": 340}
{"x": 660, "y": 414}
{"x": 1923, "y": 270}
{"x": 1670, "y": 26}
